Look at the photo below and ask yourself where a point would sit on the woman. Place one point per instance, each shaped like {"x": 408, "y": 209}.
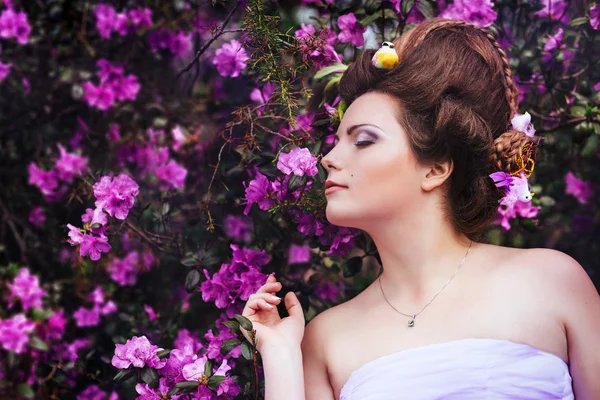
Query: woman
{"x": 449, "y": 317}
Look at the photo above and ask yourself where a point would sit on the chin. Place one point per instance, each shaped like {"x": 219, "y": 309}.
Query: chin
{"x": 342, "y": 216}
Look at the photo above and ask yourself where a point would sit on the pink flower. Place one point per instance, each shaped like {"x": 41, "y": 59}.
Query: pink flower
{"x": 522, "y": 123}
{"x": 26, "y": 288}
{"x": 140, "y": 18}
{"x": 46, "y": 181}
{"x": 194, "y": 371}
{"x": 116, "y": 195}
{"x": 55, "y": 326}
{"x": 137, "y": 351}
{"x": 595, "y": 17}
{"x": 479, "y": 12}
{"x": 350, "y": 30}
{"x": 150, "y": 311}
{"x": 96, "y": 296}
{"x": 172, "y": 175}
{"x": 92, "y": 392}
{"x": 298, "y": 254}
{"x": 70, "y": 164}
{"x": 101, "y": 97}
{"x": 86, "y": 317}
{"x": 125, "y": 271}
{"x": 105, "y": 19}
{"x": 257, "y": 191}
{"x": 4, "y": 70}
{"x": 13, "y": 24}
{"x": 179, "y": 138}
{"x": 230, "y": 59}
{"x": 582, "y": 190}
{"x": 238, "y": 228}
{"x": 94, "y": 217}
{"x": 14, "y": 333}
{"x": 37, "y": 216}
{"x": 554, "y": 9}
{"x": 298, "y": 161}
{"x": 555, "y": 42}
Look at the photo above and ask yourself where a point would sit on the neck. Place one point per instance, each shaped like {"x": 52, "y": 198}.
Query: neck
{"x": 418, "y": 260}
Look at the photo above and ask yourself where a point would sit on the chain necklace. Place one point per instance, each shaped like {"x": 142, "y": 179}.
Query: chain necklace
{"x": 411, "y": 323}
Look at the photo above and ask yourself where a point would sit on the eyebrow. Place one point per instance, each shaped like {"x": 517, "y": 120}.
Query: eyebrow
{"x": 354, "y": 127}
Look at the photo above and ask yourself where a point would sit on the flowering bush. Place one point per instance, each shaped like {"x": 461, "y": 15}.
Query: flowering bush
{"x": 159, "y": 163}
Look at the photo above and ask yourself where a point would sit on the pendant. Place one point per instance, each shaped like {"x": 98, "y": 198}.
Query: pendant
{"x": 411, "y": 323}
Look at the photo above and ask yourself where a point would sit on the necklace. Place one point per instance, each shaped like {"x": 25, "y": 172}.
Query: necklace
{"x": 411, "y": 323}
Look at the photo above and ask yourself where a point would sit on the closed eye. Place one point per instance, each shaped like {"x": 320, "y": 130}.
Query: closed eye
{"x": 363, "y": 143}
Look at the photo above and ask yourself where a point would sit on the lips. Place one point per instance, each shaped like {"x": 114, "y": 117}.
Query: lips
{"x": 329, "y": 184}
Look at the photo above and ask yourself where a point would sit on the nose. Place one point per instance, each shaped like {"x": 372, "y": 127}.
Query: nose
{"x": 328, "y": 162}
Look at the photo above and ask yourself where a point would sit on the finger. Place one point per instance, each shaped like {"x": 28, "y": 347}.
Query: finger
{"x": 293, "y": 305}
{"x": 270, "y": 287}
{"x": 266, "y": 296}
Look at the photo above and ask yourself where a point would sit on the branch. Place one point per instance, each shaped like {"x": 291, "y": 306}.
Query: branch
{"x": 219, "y": 32}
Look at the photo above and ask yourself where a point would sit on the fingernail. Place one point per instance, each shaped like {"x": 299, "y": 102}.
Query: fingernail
{"x": 275, "y": 297}
{"x": 270, "y": 306}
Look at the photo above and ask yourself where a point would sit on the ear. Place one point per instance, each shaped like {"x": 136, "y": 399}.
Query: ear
{"x": 436, "y": 175}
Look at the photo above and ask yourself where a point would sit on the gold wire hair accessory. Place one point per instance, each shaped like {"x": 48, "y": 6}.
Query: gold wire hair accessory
{"x": 386, "y": 57}
{"x": 526, "y": 160}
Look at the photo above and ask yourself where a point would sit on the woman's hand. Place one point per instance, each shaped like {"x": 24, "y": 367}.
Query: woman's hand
{"x": 270, "y": 328}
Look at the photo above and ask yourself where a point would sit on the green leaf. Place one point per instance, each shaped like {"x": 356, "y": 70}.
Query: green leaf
{"x": 296, "y": 182}
{"x": 228, "y": 345}
{"x": 38, "y": 343}
{"x": 334, "y": 80}
{"x": 579, "y": 21}
{"x": 233, "y": 325}
{"x": 244, "y": 322}
{"x": 247, "y": 350}
{"x": 369, "y": 19}
{"x": 337, "y": 67}
{"x": 150, "y": 376}
{"x": 25, "y": 390}
{"x": 123, "y": 375}
{"x": 208, "y": 368}
{"x": 317, "y": 148}
{"x": 352, "y": 266}
{"x": 163, "y": 353}
{"x": 191, "y": 280}
{"x": 590, "y": 147}
{"x": 165, "y": 208}
{"x": 426, "y": 8}
{"x": 214, "y": 381}
{"x": 577, "y": 111}
{"x": 407, "y": 5}
{"x": 184, "y": 387}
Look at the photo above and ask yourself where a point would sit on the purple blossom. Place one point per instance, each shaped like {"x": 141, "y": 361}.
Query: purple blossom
{"x": 172, "y": 175}
{"x": 414, "y": 16}
{"x": 114, "y": 86}
{"x": 46, "y": 181}
{"x": 96, "y": 296}
{"x": 179, "y": 138}
{"x": 581, "y": 189}
{"x": 92, "y": 392}
{"x": 87, "y": 317}
{"x": 113, "y": 134}
{"x": 70, "y": 164}
{"x": 90, "y": 244}
{"x": 116, "y": 195}
{"x": 184, "y": 338}
{"x": 554, "y": 9}
{"x": 594, "y": 17}
{"x": 323, "y": 56}
{"x": 4, "y": 70}
{"x": 14, "y": 24}
{"x": 257, "y": 191}
{"x": 55, "y": 326}
{"x": 230, "y": 59}
{"x": 298, "y": 161}
{"x": 518, "y": 209}
{"x": 178, "y": 358}
{"x": 160, "y": 393}
{"x": 554, "y": 42}
{"x": 68, "y": 351}
{"x": 261, "y": 96}
{"x": 14, "y": 333}
{"x": 350, "y": 30}
{"x": 238, "y": 228}
{"x": 522, "y": 123}
{"x": 140, "y": 18}
{"x": 37, "y": 216}
{"x": 137, "y": 351}
{"x": 108, "y": 308}
{"x": 194, "y": 371}
{"x": 479, "y": 12}
{"x": 298, "y": 254}
{"x": 101, "y": 97}
{"x": 213, "y": 351}
{"x": 96, "y": 216}
{"x": 125, "y": 271}
{"x": 328, "y": 290}
{"x": 26, "y": 288}
{"x": 150, "y": 311}
{"x": 105, "y": 19}
{"x": 216, "y": 289}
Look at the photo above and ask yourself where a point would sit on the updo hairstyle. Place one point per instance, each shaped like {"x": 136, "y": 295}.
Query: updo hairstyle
{"x": 456, "y": 100}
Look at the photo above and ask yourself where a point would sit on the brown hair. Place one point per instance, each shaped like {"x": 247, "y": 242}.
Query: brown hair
{"x": 457, "y": 97}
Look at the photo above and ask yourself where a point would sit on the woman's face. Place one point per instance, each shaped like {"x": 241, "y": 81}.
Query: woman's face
{"x": 372, "y": 158}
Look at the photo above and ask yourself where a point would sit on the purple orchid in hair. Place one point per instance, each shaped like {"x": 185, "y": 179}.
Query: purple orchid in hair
{"x": 517, "y": 188}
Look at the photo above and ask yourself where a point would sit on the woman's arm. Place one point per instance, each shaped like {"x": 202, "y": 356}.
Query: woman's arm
{"x": 580, "y": 307}
{"x": 284, "y": 377}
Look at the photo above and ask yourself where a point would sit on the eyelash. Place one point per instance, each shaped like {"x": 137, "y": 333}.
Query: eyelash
{"x": 363, "y": 143}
